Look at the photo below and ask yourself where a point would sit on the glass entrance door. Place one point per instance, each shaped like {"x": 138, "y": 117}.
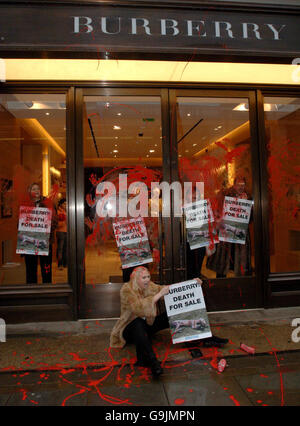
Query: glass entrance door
{"x": 143, "y": 151}
{"x": 124, "y": 156}
{"x": 217, "y": 161}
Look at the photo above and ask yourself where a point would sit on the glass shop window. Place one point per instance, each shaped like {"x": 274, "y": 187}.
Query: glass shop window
{"x": 283, "y": 142}
{"x": 214, "y": 149}
{"x": 33, "y": 214}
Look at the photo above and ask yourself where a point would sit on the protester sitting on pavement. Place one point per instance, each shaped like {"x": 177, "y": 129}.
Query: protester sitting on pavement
{"x": 139, "y": 320}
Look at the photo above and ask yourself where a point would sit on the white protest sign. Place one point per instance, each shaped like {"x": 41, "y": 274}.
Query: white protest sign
{"x": 34, "y": 230}
{"x": 132, "y": 241}
{"x": 235, "y": 220}
{"x": 35, "y": 219}
{"x": 199, "y": 220}
{"x": 186, "y": 310}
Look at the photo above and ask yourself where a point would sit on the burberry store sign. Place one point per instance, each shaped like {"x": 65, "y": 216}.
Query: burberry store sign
{"x": 60, "y": 28}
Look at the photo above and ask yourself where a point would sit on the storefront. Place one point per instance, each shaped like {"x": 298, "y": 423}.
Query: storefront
{"x": 160, "y": 92}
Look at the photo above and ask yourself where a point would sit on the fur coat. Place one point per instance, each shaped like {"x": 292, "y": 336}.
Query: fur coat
{"x": 135, "y": 303}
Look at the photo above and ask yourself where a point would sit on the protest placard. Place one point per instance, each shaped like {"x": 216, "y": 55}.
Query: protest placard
{"x": 199, "y": 220}
{"x": 34, "y": 230}
{"x": 186, "y": 311}
{"x": 235, "y": 220}
{"x": 132, "y": 241}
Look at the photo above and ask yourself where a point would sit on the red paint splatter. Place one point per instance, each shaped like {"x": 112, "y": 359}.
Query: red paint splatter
{"x": 25, "y": 396}
{"x": 278, "y": 366}
{"x": 179, "y": 401}
{"x": 76, "y": 357}
{"x": 234, "y": 400}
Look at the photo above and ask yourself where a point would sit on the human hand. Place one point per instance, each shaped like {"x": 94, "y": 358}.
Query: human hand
{"x": 198, "y": 281}
{"x": 162, "y": 292}
{"x": 165, "y": 290}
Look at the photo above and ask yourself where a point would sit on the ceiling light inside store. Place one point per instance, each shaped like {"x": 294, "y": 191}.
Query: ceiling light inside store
{"x": 47, "y": 105}
{"x": 241, "y": 107}
{"x": 55, "y": 172}
{"x": 270, "y": 107}
{"x": 267, "y": 107}
{"x": 117, "y": 128}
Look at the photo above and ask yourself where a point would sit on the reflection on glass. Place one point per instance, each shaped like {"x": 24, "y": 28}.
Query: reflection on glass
{"x": 214, "y": 148}
{"x": 122, "y": 148}
{"x": 282, "y": 133}
{"x": 33, "y": 181}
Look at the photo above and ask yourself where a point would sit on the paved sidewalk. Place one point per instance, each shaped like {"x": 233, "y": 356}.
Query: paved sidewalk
{"x": 69, "y": 363}
{"x": 263, "y": 380}
{"x": 53, "y": 346}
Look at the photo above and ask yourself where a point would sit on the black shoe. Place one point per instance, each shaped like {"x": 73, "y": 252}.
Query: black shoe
{"x": 196, "y": 353}
{"x": 214, "y": 341}
{"x": 220, "y": 340}
{"x": 156, "y": 369}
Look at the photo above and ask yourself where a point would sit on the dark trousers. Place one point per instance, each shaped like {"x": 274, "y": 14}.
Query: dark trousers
{"x": 61, "y": 238}
{"x": 140, "y": 333}
{"x": 194, "y": 260}
{"x": 31, "y": 262}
